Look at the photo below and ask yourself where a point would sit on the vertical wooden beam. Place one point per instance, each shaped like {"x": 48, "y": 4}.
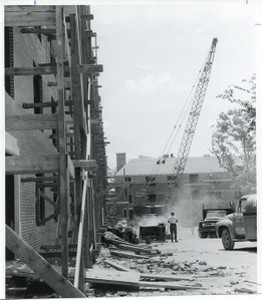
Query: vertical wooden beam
{"x": 63, "y": 172}
{"x": 94, "y": 212}
{"x": 75, "y": 87}
{"x": 87, "y": 258}
{"x": 80, "y": 235}
{"x": 76, "y": 97}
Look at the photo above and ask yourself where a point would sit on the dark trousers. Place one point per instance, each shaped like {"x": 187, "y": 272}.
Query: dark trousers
{"x": 173, "y": 231}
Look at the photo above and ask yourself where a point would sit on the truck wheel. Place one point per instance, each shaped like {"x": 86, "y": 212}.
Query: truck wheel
{"x": 227, "y": 241}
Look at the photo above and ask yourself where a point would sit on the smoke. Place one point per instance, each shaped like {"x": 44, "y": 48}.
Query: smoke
{"x": 150, "y": 220}
{"x": 188, "y": 206}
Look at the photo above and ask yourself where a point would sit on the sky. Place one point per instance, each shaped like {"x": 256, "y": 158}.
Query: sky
{"x": 152, "y": 55}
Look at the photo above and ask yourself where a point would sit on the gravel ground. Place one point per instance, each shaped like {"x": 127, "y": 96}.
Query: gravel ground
{"x": 205, "y": 261}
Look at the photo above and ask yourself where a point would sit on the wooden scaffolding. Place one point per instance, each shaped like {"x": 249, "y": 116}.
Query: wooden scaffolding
{"x": 79, "y": 168}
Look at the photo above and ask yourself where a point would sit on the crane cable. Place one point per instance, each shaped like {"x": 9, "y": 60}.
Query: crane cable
{"x": 176, "y": 128}
{"x": 182, "y": 115}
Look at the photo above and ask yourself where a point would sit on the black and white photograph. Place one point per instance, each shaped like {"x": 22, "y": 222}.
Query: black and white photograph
{"x": 131, "y": 139}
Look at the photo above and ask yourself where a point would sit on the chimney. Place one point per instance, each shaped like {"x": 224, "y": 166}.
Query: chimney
{"x": 120, "y": 160}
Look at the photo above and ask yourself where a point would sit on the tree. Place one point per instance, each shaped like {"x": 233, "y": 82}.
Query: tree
{"x": 234, "y": 138}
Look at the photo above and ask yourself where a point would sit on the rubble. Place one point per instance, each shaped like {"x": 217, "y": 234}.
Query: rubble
{"x": 157, "y": 273}
{"x": 244, "y": 291}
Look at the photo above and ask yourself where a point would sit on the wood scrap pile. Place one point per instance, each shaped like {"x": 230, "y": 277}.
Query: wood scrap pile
{"x": 128, "y": 249}
{"x": 125, "y": 278}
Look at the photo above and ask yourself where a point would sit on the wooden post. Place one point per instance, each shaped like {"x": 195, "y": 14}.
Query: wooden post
{"x": 75, "y": 88}
{"x": 80, "y": 234}
{"x": 63, "y": 171}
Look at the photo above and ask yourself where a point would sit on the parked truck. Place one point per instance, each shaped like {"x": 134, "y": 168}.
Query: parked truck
{"x": 210, "y": 217}
{"x": 241, "y": 225}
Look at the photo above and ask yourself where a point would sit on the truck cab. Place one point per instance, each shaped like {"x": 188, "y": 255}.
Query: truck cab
{"x": 241, "y": 225}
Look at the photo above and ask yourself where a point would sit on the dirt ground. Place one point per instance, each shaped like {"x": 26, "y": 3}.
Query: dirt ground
{"x": 213, "y": 269}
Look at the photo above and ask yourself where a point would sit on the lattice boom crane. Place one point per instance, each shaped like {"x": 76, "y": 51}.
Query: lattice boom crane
{"x": 194, "y": 114}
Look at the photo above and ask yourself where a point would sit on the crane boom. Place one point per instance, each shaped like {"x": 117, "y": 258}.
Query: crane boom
{"x": 194, "y": 114}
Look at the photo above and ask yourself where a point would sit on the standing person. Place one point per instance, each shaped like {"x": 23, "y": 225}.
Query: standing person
{"x": 173, "y": 227}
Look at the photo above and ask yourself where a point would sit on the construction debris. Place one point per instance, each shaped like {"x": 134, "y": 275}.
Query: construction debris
{"x": 129, "y": 279}
{"x": 147, "y": 276}
{"x": 244, "y": 291}
{"x": 127, "y": 255}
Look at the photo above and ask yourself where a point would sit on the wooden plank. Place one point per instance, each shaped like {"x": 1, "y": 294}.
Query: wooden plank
{"x": 110, "y": 277}
{"x": 32, "y": 30}
{"x": 50, "y": 217}
{"x": 39, "y": 105}
{"x": 11, "y": 146}
{"x": 89, "y": 33}
{"x": 138, "y": 249}
{"x": 80, "y": 234}
{"x": 87, "y": 17}
{"x": 40, "y": 266}
{"x": 87, "y": 68}
{"x": 76, "y": 97}
{"x": 31, "y": 122}
{"x": 127, "y": 255}
{"x": 50, "y": 69}
{"x": 147, "y": 276}
{"x": 75, "y": 87}
{"x": 164, "y": 277}
{"x": 29, "y": 8}
{"x": 63, "y": 160}
{"x": 166, "y": 285}
{"x": 39, "y": 179}
{"x": 23, "y": 71}
{"x": 70, "y": 167}
{"x": 50, "y": 201}
{"x": 29, "y": 15}
{"x": 85, "y": 164}
{"x": 67, "y": 82}
{"x": 116, "y": 266}
{"x": 31, "y": 165}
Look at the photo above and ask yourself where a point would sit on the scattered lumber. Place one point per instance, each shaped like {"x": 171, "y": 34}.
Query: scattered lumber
{"x": 147, "y": 276}
{"x": 129, "y": 279}
{"x": 112, "y": 277}
{"x": 164, "y": 277}
{"x": 116, "y": 266}
{"x": 115, "y": 240}
{"x": 40, "y": 266}
{"x": 138, "y": 249}
{"x": 166, "y": 285}
{"x": 127, "y": 255}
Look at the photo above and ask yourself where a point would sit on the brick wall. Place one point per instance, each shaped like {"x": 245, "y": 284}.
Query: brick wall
{"x": 28, "y": 48}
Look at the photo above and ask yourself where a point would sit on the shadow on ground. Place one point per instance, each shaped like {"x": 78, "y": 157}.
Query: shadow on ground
{"x": 243, "y": 249}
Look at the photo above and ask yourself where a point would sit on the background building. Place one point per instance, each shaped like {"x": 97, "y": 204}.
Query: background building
{"x": 147, "y": 186}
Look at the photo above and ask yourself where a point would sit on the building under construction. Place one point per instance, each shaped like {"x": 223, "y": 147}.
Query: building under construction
{"x": 54, "y": 141}
{"x": 143, "y": 187}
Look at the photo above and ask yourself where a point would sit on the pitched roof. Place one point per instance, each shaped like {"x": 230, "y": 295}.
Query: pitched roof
{"x": 149, "y": 166}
